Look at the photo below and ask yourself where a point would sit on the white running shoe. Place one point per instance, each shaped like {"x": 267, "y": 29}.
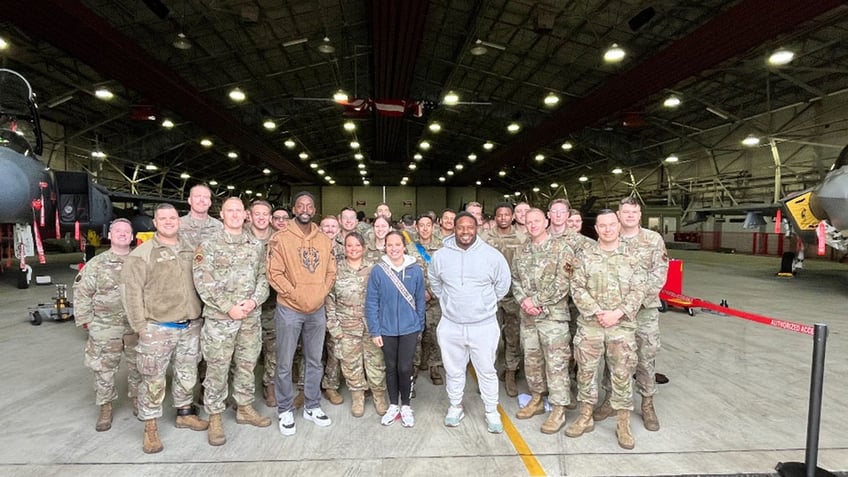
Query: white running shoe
{"x": 493, "y": 422}
{"x": 455, "y": 414}
{"x": 391, "y": 415}
{"x": 407, "y": 417}
{"x": 287, "y": 427}
{"x": 317, "y": 416}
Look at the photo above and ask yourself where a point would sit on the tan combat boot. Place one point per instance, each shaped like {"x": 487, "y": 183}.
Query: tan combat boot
{"x": 152, "y": 444}
{"x": 511, "y": 387}
{"x": 649, "y": 416}
{"x": 533, "y": 408}
{"x": 555, "y": 420}
{"x": 104, "y": 420}
{"x": 248, "y": 415}
{"x": 357, "y": 403}
{"x": 572, "y": 405}
{"x": 381, "y": 403}
{"x": 333, "y": 396}
{"x": 622, "y": 429}
{"x": 134, "y": 402}
{"x": 603, "y": 411}
{"x": 215, "y": 435}
{"x": 436, "y": 376}
{"x": 187, "y": 419}
{"x": 584, "y": 422}
{"x": 299, "y": 399}
{"x": 270, "y": 397}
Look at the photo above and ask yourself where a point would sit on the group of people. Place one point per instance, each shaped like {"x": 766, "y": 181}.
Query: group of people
{"x": 374, "y": 304}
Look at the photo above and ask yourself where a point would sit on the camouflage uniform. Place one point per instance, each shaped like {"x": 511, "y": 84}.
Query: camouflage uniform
{"x": 98, "y": 304}
{"x": 196, "y": 231}
{"x": 332, "y": 371}
{"x": 266, "y": 319}
{"x": 577, "y": 242}
{"x": 372, "y": 254}
{"x": 508, "y": 308}
{"x": 162, "y": 306}
{"x": 361, "y": 360}
{"x": 228, "y": 269}
{"x": 607, "y": 281}
{"x": 542, "y": 272}
{"x": 428, "y": 347}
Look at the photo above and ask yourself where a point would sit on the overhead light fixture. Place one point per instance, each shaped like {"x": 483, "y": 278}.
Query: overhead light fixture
{"x": 232, "y": 155}
{"x": 424, "y": 145}
{"x": 441, "y": 178}
{"x": 332, "y": 182}
{"x": 340, "y": 96}
{"x": 289, "y": 143}
{"x": 478, "y": 183}
{"x": 349, "y": 126}
{"x": 167, "y": 124}
{"x": 236, "y": 94}
{"x": 551, "y": 99}
{"x": 540, "y": 157}
{"x": 320, "y": 172}
{"x": 358, "y": 156}
{"x": 314, "y": 165}
{"x": 363, "y": 172}
{"x": 517, "y": 194}
{"x": 478, "y": 50}
{"x": 488, "y": 146}
{"x": 751, "y": 140}
{"x": 206, "y": 142}
{"x": 582, "y": 178}
{"x": 554, "y": 185}
{"x": 104, "y": 94}
{"x": 360, "y": 166}
{"x": 269, "y": 124}
{"x": 614, "y": 54}
{"x": 617, "y": 170}
{"x": 181, "y": 42}
{"x": 266, "y": 171}
{"x": 513, "y": 127}
{"x": 459, "y": 167}
{"x": 413, "y": 166}
{"x": 3, "y": 44}
{"x": 213, "y": 182}
{"x": 451, "y": 98}
{"x": 365, "y": 182}
{"x": 328, "y": 177}
{"x": 299, "y": 41}
{"x": 536, "y": 189}
{"x": 304, "y": 156}
{"x": 718, "y": 112}
{"x": 450, "y": 173}
{"x": 326, "y": 47}
{"x": 231, "y": 187}
{"x": 98, "y": 154}
{"x": 472, "y": 157}
{"x": 417, "y": 156}
{"x": 502, "y": 173}
{"x": 672, "y": 158}
{"x": 435, "y": 127}
{"x": 671, "y": 102}
{"x": 354, "y": 144}
{"x": 248, "y": 192}
{"x": 486, "y": 44}
{"x": 151, "y": 167}
{"x": 781, "y": 57}
{"x": 259, "y": 194}
{"x": 567, "y": 146}
{"x": 405, "y": 178}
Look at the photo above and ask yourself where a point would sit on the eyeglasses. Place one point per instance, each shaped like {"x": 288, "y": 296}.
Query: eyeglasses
{"x": 279, "y": 217}
{"x": 558, "y": 212}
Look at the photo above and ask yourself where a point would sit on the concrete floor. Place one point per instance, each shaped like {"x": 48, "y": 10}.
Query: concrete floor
{"x": 737, "y": 401}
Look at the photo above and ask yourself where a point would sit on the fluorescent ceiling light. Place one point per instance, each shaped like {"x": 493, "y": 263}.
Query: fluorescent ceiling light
{"x": 513, "y": 127}
{"x": 671, "y": 102}
{"x": 290, "y": 144}
{"x": 472, "y": 157}
{"x": 751, "y": 140}
{"x": 167, "y": 124}
{"x": 551, "y": 99}
{"x": 236, "y": 94}
{"x": 672, "y": 158}
{"x": 269, "y": 125}
{"x": 104, "y": 93}
{"x": 206, "y": 142}
{"x": 567, "y": 146}
{"x": 582, "y": 178}
{"x": 299, "y": 41}
{"x": 232, "y": 155}
{"x": 540, "y": 157}
{"x": 349, "y": 126}
{"x": 435, "y": 127}
{"x": 181, "y": 42}
{"x": 451, "y": 98}
{"x": 614, "y": 54}
{"x": 781, "y": 57}
{"x": 488, "y": 146}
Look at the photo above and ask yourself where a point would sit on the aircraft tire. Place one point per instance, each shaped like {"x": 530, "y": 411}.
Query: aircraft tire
{"x": 786, "y": 262}
{"x": 23, "y": 283}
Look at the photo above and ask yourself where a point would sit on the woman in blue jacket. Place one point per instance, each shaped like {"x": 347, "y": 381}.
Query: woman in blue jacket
{"x": 394, "y": 309}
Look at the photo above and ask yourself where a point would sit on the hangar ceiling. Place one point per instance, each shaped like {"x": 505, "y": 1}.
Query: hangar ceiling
{"x": 396, "y": 61}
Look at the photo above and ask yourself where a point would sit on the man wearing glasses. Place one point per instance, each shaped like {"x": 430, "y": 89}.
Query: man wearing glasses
{"x": 558, "y": 215}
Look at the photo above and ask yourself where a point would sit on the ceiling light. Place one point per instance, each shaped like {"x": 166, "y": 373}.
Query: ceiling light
{"x": 349, "y": 126}
{"x": 181, "y": 42}
{"x": 360, "y": 166}
{"x": 441, "y": 178}
{"x": 502, "y": 173}
{"x": 551, "y": 99}
{"x": 314, "y": 165}
{"x": 412, "y": 166}
{"x": 478, "y": 50}
{"x": 424, "y": 145}
{"x": 236, "y": 94}
{"x": 567, "y": 146}
{"x": 269, "y": 124}
{"x": 513, "y": 127}
{"x": 213, "y": 182}
{"x": 506, "y": 196}
{"x": 418, "y": 156}
{"x": 488, "y": 146}
{"x": 232, "y": 155}
{"x": 320, "y": 172}
{"x": 266, "y": 171}
{"x": 104, "y": 94}
{"x": 672, "y": 158}
{"x": 554, "y": 185}
{"x": 304, "y": 156}
{"x": 358, "y": 156}
{"x": 718, "y": 112}
{"x": 405, "y": 178}
{"x": 488, "y": 44}
{"x": 328, "y": 178}
{"x": 363, "y": 172}
{"x": 299, "y": 41}
{"x": 751, "y": 140}
{"x": 289, "y": 143}
{"x": 617, "y": 170}
{"x": 582, "y": 178}
{"x": 248, "y": 192}
{"x": 365, "y": 181}
{"x": 671, "y": 102}
{"x": 535, "y": 189}
{"x": 326, "y": 47}
{"x": 332, "y": 182}
{"x": 540, "y": 157}
{"x": 517, "y": 193}
{"x": 340, "y": 96}
{"x": 98, "y": 154}
{"x": 459, "y": 167}
{"x": 780, "y": 57}
{"x": 259, "y": 194}
{"x": 167, "y": 124}
{"x": 478, "y": 183}
{"x": 450, "y": 173}
{"x": 231, "y": 187}
{"x": 151, "y": 167}
{"x": 354, "y": 144}
{"x": 614, "y": 54}
{"x": 435, "y": 127}
{"x": 206, "y": 142}
{"x": 451, "y": 98}
{"x": 3, "y": 44}
{"x": 472, "y": 157}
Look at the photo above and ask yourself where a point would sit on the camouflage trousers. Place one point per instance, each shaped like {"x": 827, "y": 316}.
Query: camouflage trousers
{"x": 103, "y": 353}
{"x": 157, "y": 347}
{"x": 618, "y": 343}
{"x": 547, "y": 351}
{"x": 332, "y": 371}
{"x": 427, "y": 350}
{"x": 510, "y": 321}
{"x": 269, "y": 352}
{"x": 362, "y": 362}
{"x": 225, "y": 342}
{"x": 647, "y": 345}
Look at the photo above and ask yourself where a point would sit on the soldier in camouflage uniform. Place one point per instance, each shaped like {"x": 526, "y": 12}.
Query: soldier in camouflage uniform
{"x": 541, "y": 275}
{"x": 229, "y": 274}
{"x": 163, "y": 308}
{"x": 428, "y": 348}
{"x": 649, "y": 246}
{"x": 557, "y": 215}
{"x": 197, "y": 225}
{"x": 520, "y": 213}
{"x": 261, "y": 228}
{"x": 507, "y": 239}
{"x": 445, "y": 228}
{"x": 361, "y": 360}
{"x": 332, "y": 373}
{"x": 608, "y": 286}
{"x": 375, "y": 239}
{"x": 98, "y": 308}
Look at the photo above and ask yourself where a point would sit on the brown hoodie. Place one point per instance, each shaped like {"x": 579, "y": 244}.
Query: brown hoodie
{"x": 302, "y": 269}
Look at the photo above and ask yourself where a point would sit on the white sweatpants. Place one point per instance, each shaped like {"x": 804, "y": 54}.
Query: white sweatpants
{"x": 478, "y": 342}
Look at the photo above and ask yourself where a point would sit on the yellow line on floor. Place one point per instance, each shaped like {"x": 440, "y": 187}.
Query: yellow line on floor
{"x": 530, "y": 461}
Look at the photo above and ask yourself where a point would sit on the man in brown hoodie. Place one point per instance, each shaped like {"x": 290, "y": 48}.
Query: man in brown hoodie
{"x": 302, "y": 269}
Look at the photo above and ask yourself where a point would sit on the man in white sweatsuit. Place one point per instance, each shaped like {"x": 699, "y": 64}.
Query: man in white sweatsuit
{"x": 469, "y": 277}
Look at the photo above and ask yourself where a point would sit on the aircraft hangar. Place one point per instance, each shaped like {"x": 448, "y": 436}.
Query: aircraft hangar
{"x": 700, "y": 109}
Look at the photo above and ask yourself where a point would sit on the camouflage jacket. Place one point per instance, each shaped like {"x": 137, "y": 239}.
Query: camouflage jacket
{"x": 195, "y": 231}
{"x": 229, "y": 269}
{"x": 649, "y": 246}
{"x": 271, "y": 302}
{"x": 608, "y": 281}
{"x": 345, "y": 304}
{"x": 507, "y": 244}
{"x": 543, "y": 273}
{"x": 97, "y": 295}
{"x": 424, "y": 262}
{"x": 576, "y": 240}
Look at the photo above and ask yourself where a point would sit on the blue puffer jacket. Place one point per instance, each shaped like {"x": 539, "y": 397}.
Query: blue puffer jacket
{"x": 386, "y": 310}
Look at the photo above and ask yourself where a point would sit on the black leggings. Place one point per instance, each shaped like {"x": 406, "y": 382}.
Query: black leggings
{"x": 398, "y": 352}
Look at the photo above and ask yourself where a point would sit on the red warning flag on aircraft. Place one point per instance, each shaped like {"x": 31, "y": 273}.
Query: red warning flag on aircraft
{"x": 820, "y": 234}
{"x": 777, "y": 221}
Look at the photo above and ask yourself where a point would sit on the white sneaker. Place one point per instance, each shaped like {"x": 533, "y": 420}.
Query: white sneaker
{"x": 455, "y": 414}
{"x": 317, "y": 416}
{"x": 287, "y": 427}
{"x": 391, "y": 415}
{"x": 407, "y": 418}
{"x": 493, "y": 422}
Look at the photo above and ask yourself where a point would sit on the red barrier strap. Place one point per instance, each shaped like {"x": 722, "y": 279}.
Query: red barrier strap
{"x": 765, "y": 320}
